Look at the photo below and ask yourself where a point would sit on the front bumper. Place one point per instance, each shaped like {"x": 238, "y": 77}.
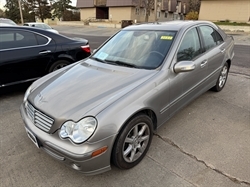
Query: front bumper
{"x": 75, "y": 156}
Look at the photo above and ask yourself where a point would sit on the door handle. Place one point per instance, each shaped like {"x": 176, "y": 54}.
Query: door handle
{"x": 223, "y": 50}
{"x": 203, "y": 63}
{"x": 44, "y": 52}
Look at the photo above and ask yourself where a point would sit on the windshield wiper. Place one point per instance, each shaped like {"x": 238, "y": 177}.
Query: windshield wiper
{"x": 98, "y": 59}
{"x": 121, "y": 63}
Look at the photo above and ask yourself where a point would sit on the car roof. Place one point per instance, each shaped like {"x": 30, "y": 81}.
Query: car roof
{"x": 4, "y": 19}
{"x": 45, "y": 32}
{"x": 35, "y": 29}
{"x": 11, "y": 22}
{"x": 5, "y": 24}
{"x": 169, "y": 25}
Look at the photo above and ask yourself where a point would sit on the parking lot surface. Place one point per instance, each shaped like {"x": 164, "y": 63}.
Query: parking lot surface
{"x": 206, "y": 144}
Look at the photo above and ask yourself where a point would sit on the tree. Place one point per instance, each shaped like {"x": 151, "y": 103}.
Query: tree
{"x": 60, "y": 8}
{"x": 28, "y": 12}
{"x": 71, "y": 16}
{"x": 41, "y": 8}
{"x": 147, "y": 4}
{"x": 2, "y": 13}
{"x": 194, "y": 5}
{"x": 12, "y": 10}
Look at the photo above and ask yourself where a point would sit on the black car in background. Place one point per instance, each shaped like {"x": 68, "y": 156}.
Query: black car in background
{"x": 27, "y": 53}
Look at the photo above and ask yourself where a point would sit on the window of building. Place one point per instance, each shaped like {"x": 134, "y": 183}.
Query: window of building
{"x": 137, "y": 11}
{"x": 166, "y": 14}
{"x": 158, "y": 14}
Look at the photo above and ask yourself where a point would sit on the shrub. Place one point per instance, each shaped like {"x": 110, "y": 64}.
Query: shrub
{"x": 192, "y": 15}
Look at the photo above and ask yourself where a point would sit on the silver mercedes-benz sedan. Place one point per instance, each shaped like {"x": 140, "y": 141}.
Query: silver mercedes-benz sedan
{"x": 104, "y": 109}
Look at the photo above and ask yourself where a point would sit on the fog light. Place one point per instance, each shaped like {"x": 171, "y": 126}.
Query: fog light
{"x": 76, "y": 166}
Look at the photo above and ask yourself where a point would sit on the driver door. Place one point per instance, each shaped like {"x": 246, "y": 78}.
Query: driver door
{"x": 185, "y": 86}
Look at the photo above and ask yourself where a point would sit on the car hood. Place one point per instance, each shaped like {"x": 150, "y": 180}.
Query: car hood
{"x": 74, "y": 93}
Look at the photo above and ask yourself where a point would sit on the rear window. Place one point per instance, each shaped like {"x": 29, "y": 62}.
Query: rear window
{"x": 16, "y": 38}
{"x": 41, "y": 40}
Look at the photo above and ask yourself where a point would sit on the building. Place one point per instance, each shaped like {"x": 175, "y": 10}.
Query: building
{"x": 135, "y": 10}
{"x": 225, "y": 10}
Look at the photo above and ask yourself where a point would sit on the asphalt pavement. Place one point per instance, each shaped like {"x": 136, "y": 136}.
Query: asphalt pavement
{"x": 207, "y": 144}
{"x": 241, "y": 38}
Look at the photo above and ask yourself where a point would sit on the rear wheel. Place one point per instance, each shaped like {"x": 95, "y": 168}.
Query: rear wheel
{"x": 58, "y": 65}
{"x": 133, "y": 142}
{"x": 222, "y": 79}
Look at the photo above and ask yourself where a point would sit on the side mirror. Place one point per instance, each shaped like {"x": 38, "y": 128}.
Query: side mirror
{"x": 184, "y": 66}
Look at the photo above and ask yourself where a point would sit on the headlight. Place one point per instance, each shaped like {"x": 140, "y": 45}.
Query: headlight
{"x": 80, "y": 131}
{"x": 26, "y": 94}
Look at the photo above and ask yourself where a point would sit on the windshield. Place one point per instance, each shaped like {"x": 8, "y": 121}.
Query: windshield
{"x": 43, "y": 26}
{"x": 137, "y": 49}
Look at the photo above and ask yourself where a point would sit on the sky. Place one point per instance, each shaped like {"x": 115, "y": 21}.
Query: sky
{"x": 2, "y": 3}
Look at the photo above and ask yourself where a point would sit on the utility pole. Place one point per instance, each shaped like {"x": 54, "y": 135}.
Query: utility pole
{"x": 21, "y": 13}
{"x": 155, "y": 10}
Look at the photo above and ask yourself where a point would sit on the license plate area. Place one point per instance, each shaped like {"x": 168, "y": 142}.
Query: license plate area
{"x": 32, "y": 137}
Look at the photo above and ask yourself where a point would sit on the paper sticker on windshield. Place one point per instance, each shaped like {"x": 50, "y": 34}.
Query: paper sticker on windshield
{"x": 102, "y": 55}
{"x": 166, "y": 37}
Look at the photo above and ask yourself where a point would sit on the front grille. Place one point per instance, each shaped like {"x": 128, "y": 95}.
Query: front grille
{"x": 41, "y": 120}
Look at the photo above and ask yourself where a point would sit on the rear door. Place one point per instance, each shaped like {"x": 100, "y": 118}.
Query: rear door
{"x": 24, "y": 55}
{"x": 213, "y": 44}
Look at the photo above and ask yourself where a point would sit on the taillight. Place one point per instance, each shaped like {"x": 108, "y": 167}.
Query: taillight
{"x": 86, "y": 48}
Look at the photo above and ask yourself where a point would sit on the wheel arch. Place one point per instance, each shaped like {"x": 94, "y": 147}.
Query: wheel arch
{"x": 66, "y": 58}
{"x": 150, "y": 113}
{"x": 229, "y": 61}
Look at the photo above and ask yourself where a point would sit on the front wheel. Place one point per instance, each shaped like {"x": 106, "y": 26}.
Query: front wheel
{"x": 222, "y": 79}
{"x": 133, "y": 142}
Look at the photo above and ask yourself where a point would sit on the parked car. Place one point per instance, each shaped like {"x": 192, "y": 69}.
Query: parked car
{"x": 41, "y": 26}
{"x": 28, "y": 53}
{"x": 7, "y": 21}
{"x": 105, "y": 108}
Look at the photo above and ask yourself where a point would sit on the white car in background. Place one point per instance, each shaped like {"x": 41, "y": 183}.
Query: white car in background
{"x": 4, "y": 21}
{"x": 41, "y": 26}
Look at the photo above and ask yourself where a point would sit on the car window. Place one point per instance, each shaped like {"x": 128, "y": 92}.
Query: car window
{"x": 41, "y": 40}
{"x": 190, "y": 46}
{"x": 211, "y": 37}
{"x": 46, "y": 26}
{"x": 16, "y": 38}
{"x": 38, "y": 26}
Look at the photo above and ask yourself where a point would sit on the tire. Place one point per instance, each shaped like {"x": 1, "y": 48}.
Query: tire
{"x": 222, "y": 79}
{"x": 58, "y": 65}
{"x": 133, "y": 142}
